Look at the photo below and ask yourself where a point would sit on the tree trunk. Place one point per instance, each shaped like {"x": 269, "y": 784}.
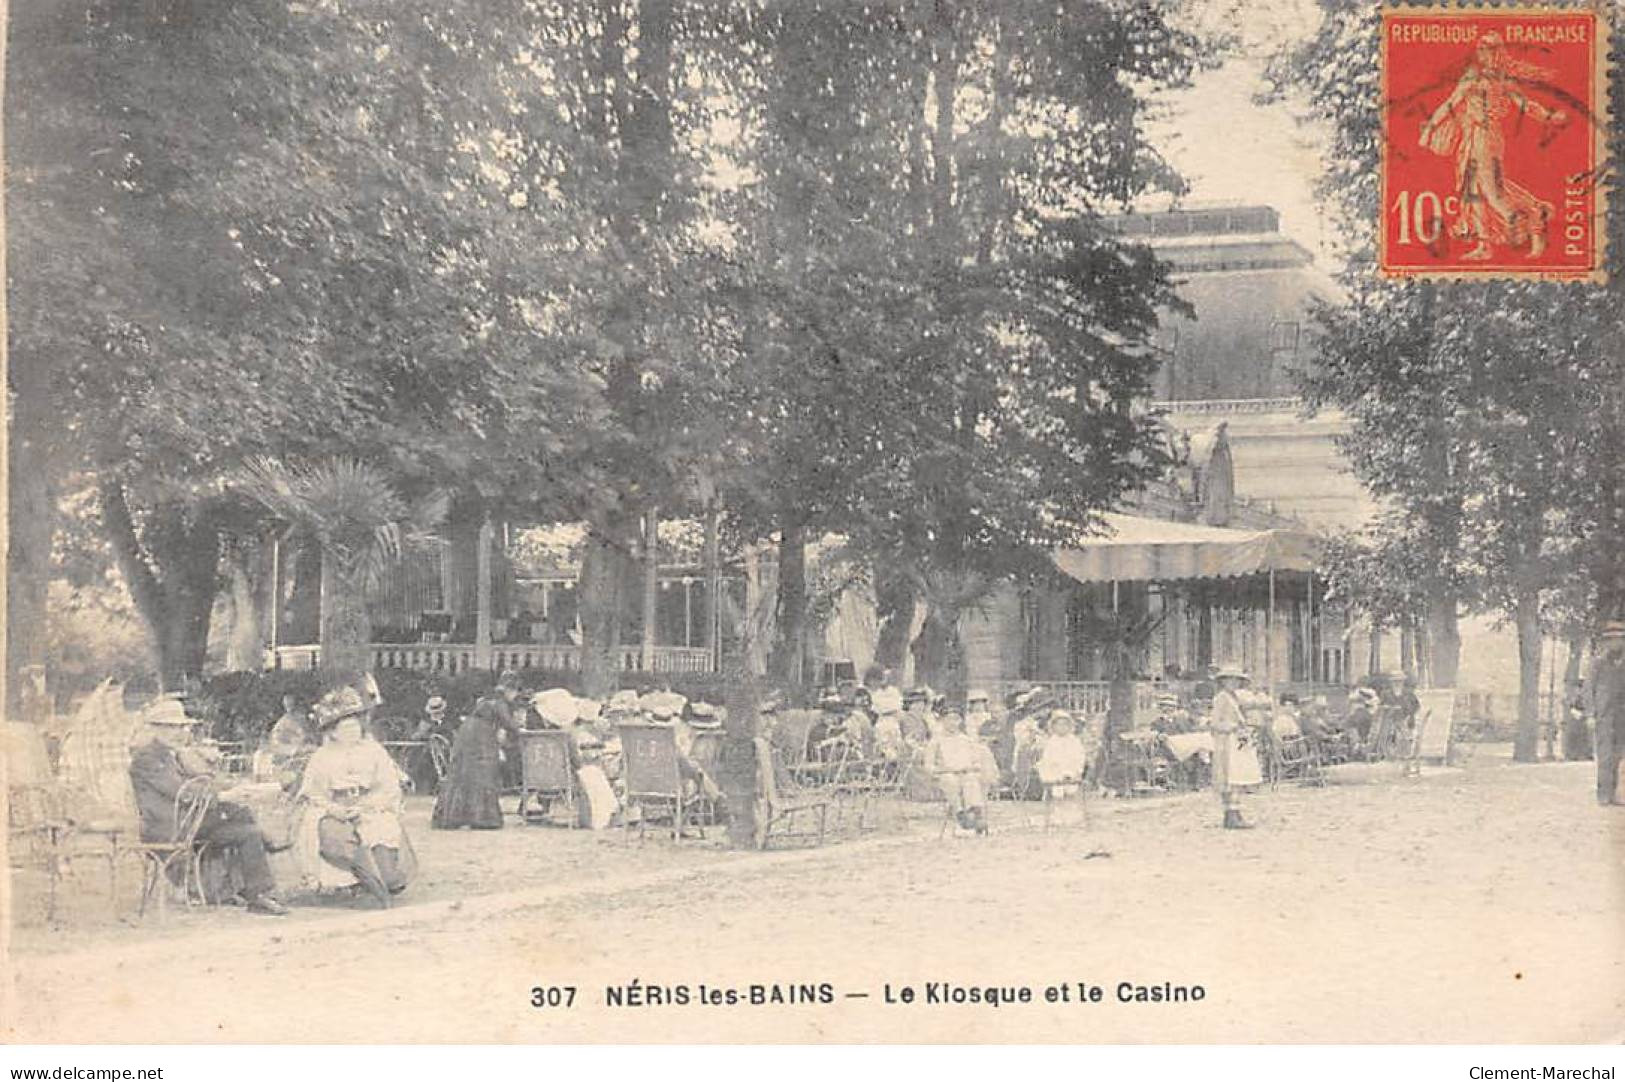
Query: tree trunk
{"x": 245, "y": 623}
{"x": 1444, "y": 637}
{"x": 300, "y": 618}
{"x": 741, "y": 779}
{"x": 713, "y": 585}
{"x": 1608, "y": 707}
{"x": 788, "y": 662}
{"x": 31, "y": 519}
{"x": 1119, "y": 699}
{"x": 1576, "y": 735}
{"x": 171, "y": 570}
{"x": 346, "y": 631}
{"x": 939, "y": 653}
{"x": 1526, "y": 740}
{"x": 895, "y": 603}
{"x": 600, "y": 609}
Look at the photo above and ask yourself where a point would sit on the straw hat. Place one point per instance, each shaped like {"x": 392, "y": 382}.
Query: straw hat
{"x": 556, "y": 706}
{"x": 624, "y": 701}
{"x": 337, "y": 705}
{"x": 976, "y": 695}
{"x": 1232, "y": 672}
{"x": 167, "y": 711}
{"x": 662, "y": 704}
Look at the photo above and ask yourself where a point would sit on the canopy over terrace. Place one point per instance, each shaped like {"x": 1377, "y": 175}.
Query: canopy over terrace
{"x": 1218, "y": 594}
{"x": 1156, "y": 550}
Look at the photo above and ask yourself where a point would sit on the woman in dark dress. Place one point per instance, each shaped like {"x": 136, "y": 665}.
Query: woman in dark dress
{"x": 469, "y": 792}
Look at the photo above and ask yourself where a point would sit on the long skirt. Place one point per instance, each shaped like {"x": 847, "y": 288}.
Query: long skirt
{"x": 470, "y": 791}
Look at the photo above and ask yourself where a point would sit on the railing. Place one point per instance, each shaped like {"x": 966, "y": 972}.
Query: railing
{"x": 1087, "y": 697}
{"x": 463, "y": 657}
{"x": 1234, "y": 405}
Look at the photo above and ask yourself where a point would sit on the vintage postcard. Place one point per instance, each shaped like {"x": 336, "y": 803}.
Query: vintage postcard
{"x": 754, "y": 522}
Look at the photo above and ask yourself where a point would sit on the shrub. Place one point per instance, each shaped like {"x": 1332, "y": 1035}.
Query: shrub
{"x": 244, "y": 705}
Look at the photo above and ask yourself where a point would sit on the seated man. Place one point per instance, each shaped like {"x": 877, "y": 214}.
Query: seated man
{"x": 961, "y": 765}
{"x": 826, "y": 740}
{"x": 351, "y": 795}
{"x": 159, "y": 768}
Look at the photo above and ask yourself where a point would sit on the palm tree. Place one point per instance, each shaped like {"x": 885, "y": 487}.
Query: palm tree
{"x": 350, "y": 509}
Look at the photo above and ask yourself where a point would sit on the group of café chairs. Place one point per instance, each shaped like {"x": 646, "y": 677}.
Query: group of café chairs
{"x": 60, "y": 819}
{"x": 798, "y": 798}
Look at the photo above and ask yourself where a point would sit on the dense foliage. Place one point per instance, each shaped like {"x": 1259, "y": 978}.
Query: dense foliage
{"x": 830, "y": 267}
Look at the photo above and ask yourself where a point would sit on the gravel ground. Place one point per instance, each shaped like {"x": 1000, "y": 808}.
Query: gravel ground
{"x": 1476, "y": 905}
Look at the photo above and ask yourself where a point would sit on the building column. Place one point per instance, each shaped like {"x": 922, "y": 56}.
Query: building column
{"x": 651, "y": 586}
{"x": 482, "y": 596}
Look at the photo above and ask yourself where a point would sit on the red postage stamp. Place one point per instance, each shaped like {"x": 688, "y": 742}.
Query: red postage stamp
{"x": 1493, "y": 141}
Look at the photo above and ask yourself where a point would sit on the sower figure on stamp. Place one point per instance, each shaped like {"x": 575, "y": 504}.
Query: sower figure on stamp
{"x": 1469, "y": 126}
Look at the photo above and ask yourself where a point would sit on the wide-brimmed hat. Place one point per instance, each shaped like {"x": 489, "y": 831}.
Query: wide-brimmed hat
{"x": 167, "y": 711}
{"x": 556, "y": 706}
{"x": 587, "y": 709}
{"x": 624, "y": 701}
{"x": 337, "y": 705}
{"x": 1232, "y": 672}
{"x": 977, "y": 695}
{"x": 701, "y": 709}
{"x": 662, "y": 704}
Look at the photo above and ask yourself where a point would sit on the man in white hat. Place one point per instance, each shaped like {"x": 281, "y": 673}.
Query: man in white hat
{"x": 157, "y": 772}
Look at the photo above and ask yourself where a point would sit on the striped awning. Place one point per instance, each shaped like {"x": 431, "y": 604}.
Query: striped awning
{"x": 1157, "y": 550}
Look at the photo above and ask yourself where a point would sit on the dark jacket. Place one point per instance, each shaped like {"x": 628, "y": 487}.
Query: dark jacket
{"x": 157, "y": 774}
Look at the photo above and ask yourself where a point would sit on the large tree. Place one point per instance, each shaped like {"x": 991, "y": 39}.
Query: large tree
{"x": 949, "y": 353}
{"x": 285, "y": 231}
{"x": 1486, "y": 413}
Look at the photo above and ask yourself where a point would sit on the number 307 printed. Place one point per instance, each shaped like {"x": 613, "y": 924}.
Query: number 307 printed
{"x": 557, "y": 995}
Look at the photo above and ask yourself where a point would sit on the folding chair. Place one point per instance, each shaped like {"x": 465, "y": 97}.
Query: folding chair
{"x": 653, "y": 776}
{"x": 1297, "y": 757}
{"x": 705, "y": 753}
{"x": 781, "y": 802}
{"x": 545, "y": 774}
{"x": 192, "y": 803}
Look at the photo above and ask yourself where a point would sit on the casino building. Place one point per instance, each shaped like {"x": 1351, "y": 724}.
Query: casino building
{"x": 1218, "y": 564}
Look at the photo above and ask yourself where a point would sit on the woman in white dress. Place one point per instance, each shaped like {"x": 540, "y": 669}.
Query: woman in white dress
{"x": 350, "y": 806}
